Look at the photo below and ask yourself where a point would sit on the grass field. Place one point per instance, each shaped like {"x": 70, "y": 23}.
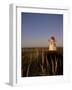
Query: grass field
{"x": 41, "y": 62}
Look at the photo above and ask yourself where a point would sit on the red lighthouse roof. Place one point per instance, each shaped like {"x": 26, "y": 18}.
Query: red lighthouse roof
{"x": 53, "y": 38}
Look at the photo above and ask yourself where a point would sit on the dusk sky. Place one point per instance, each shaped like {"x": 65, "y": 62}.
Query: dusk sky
{"x": 37, "y": 28}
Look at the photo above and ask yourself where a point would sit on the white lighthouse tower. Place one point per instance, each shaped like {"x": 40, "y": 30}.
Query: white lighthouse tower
{"x": 52, "y": 44}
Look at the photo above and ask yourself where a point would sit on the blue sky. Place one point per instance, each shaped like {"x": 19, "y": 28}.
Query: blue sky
{"x": 37, "y": 28}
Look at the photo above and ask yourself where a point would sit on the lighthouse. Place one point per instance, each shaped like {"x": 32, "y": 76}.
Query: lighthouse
{"x": 52, "y": 44}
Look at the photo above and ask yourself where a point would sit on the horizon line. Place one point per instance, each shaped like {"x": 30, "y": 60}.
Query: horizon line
{"x": 39, "y": 47}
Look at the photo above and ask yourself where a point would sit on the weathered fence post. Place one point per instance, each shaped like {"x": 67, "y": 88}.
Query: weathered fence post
{"x": 29, "y": 65}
